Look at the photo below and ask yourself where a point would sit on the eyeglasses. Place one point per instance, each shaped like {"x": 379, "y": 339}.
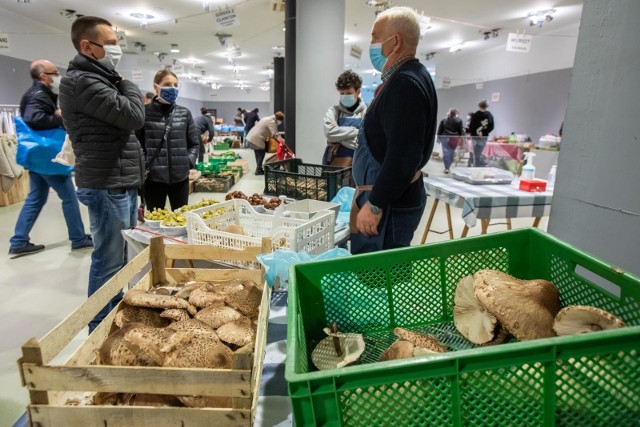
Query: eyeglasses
{"x": 102, "y": 45}
{"x": 54, "y": 73}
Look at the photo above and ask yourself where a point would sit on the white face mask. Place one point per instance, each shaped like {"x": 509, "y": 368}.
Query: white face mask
{"x": 55, "y": 84}
{"x": 279, "y": 122}
{"x": 113, "y": 54}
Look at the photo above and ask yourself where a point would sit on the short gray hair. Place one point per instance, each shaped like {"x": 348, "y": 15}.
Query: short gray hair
{"x": 404, "y": 21}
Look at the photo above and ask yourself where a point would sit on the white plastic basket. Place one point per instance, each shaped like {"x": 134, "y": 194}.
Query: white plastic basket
{"x": 312, "y": 236}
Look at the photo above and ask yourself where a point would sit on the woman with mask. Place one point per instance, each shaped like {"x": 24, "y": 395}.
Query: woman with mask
{"x": 258, "y": 135}
{"x": 342, "y": 121}
{"x": 170, "y": 140}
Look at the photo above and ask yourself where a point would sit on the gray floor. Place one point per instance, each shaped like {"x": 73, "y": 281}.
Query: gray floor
{"x": 42, "y": 289}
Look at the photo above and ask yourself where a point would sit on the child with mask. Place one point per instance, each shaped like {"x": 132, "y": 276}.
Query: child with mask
{"x": 342, "y": 121}
{"x": 171, "y": 141}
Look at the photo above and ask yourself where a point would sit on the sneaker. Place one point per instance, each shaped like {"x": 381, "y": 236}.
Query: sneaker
{"x": 27, "y": 249}
{"x": 88, "y": 243}
{"x": 446, "y": 171}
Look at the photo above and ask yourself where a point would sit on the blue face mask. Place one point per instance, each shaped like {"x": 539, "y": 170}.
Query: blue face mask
{"x": 375, "y": 55}
{"x": 169, "y": 94}
{"x": 348, "y": 100}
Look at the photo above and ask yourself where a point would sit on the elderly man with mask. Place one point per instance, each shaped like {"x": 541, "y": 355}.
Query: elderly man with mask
{"x": 39, "y": 111}
{"x": 101, "y": 111}
{"x": 395, "y": 140}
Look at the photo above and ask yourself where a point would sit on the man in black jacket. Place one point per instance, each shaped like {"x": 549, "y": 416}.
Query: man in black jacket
{"x": 480, "y": 125}
{"x": 204, "y": 123}
{"x": 250, "y": 120}
{"x": 39, "y": 111}
{"x": 100, "y": 111}
{"x": 396, "y": 138}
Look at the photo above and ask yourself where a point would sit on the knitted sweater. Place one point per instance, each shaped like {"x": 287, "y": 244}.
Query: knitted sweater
{"x": 400, "y": 127}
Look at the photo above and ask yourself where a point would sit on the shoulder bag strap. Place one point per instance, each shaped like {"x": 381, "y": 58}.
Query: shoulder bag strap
{"x": 167, "y": 128}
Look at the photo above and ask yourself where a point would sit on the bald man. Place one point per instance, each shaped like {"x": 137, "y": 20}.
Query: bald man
{"x": 38, "y": 109}
{"x": 396, "y": 139}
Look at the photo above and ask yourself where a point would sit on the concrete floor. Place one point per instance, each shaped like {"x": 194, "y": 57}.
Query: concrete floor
{"x": 42, "y": 289}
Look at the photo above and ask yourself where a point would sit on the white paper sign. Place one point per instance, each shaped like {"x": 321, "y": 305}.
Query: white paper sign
{"x": 4, "y": 43}
{"x": 137, "y": 76}
{"x": 479, "y": 86}
{"x": 519, "y": 43}
{"x": 355, "y": 51}
{"x": 446, "y": 82}
{"x": 495, "y": 97}
{"x": 122, "y": 40}
{"x": 178, "y": 68}
{"x": 227, "y": 18}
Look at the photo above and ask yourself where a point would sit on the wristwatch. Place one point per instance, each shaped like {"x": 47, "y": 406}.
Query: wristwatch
{"x": 374, "y": 209}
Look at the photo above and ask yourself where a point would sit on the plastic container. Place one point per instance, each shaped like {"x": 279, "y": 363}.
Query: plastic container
{"x": 533, "y": 185}
{"x": 299, "y": 180}
{"x": 313, "y": 236}
{"x": 578, "y": 380}
{"x": 551, "y": 178}
{"x": 528, "y": 169}
{"x": 480, "y": 176}
{"x": 308, "y": 208}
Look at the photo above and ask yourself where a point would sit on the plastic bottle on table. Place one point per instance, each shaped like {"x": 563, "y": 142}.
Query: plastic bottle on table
{"x": 551, "y": 178}
{"x": 528, "y": 170}
{"x": 512, "y": 138}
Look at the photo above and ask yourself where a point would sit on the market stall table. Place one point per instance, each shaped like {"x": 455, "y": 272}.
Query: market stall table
{"x": 485, "y": 202}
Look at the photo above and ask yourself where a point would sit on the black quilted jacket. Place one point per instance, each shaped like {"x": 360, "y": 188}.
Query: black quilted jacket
{"x": 100, "y": 111}
{"x": 179, "y": 152}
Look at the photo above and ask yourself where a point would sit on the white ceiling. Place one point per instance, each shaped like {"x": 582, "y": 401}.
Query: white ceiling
{"x": 45, "y": 24}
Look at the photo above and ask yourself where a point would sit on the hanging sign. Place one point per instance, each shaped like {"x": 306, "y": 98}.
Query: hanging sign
{"x": 446, "y": 82}
{"x": 4, "y": 43}
{"x": 227, "y": 18}
{"x": 178, "y": 68}
{"x": 137, "y": 76}
{"x": 519, "y": 42}
{"x": 355, "y": 51}
{"x": 479, "y": 86}
{"x": 122, "y": 40}
{"x": 495, "y": 97}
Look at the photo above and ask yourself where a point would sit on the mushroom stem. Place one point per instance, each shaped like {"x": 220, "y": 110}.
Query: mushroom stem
{"x": 336, "y": 340}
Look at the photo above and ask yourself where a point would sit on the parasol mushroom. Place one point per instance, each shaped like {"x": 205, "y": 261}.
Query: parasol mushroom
{"x": 239, "y": 332}
{"x": 140, "y": 298}
{"x": 147, "y": 316}
{"x": 217, "y": 314}
{"x": 578, "y": 319}
{"x": 470, "y": 317}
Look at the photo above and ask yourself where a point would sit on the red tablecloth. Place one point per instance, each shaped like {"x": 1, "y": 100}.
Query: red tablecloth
{"x": 497, "y": 149}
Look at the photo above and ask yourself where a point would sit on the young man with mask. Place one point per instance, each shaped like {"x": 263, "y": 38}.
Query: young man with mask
{"x": 342, "y": 121}
{"x": 39, "y": 111}
{"x": 396, "y": 138}
{"x": 101, "y": 111}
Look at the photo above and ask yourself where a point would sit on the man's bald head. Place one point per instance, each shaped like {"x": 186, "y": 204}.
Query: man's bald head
{"x": 41, "y": 66}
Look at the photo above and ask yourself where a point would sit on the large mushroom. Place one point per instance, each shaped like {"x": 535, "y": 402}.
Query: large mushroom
{"x": 217, "y": 315}
{"x": 140, "y": 298}
{"x": 202, "y": 298}
{"x": 526, "y": 308}
{"x": 400, "y": 349}
{"x": 147, "y": 316}
{"x": 578, "y": 319}
{"x": 246, "y": 300}
{"x": 239, "y": 332}
{"x": 326, "y": 355}
{"x": 146, "y": 342}
{"x": 426, "y": 342}
{"x": 115, "y": 351}
{"x": 470, "y": 317}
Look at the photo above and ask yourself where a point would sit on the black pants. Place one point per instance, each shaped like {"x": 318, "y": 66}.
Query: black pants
{"x": 201, "y": 152}
{"x": 259, "y": 159}
{"x": 155, "y": 194}
{"x": 478, "y": 147}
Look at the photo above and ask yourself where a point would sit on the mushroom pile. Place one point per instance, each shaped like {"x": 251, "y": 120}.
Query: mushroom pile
{"x": 491, "y": 306}
{"x": 412, "y": 344}
{"x": 255, "y": 199}
{"x": 193, "y": 325}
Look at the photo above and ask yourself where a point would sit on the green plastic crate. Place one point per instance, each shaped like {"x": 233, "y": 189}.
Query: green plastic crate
{"x": 580, "y": 380}
{"x": 221, "y": 146}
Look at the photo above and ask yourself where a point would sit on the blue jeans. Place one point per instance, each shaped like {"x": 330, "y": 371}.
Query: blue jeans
{"x": 39, "y": 186}
{"x": 110, "y": 212}
{"x": 447, "y": 153}
{"x": 402, "y": 224}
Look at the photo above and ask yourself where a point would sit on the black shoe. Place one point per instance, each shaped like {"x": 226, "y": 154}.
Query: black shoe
{"x": 88, "y": 243}
{"x": 28, "y": 249}
{"x": 259, "y": 172}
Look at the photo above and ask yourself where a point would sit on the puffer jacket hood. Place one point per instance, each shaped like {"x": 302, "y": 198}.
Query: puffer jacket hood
{"x": 100, "y": 111}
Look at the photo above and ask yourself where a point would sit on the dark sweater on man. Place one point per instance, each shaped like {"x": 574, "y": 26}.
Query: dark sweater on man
{"x": 400, "y": 126}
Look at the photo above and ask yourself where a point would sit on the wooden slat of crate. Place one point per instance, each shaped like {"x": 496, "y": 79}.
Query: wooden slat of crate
{"x": 44, "y": 415}
{"x": 48, "y": 384}
{"x": 18, "y": 191}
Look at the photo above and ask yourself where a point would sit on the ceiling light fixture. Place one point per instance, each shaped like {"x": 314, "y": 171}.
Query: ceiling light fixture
{"x": 429, "y": 56}
{"x": 539, "y": 17}
{"x": 379, "y": 5}
{"x": 175, "y": 48}
{"x": 24, "y": 1}
{"x": 456, "y": 48}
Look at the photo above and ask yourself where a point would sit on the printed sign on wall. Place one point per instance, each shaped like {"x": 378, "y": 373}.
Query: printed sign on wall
{"x": 519, "y": 43}
{"x": 4, "y": 43}
{"x": 137, "y": 76}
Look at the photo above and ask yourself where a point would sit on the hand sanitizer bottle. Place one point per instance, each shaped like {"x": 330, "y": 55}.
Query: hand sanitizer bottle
{"x": 551, "y": 178}
{"x": 528, "y": 170}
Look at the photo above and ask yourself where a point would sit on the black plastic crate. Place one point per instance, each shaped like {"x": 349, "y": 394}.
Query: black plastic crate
{"x": 298, "y": 180}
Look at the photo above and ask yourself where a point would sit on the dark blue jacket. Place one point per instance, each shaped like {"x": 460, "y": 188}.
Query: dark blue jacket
{"x": 250, "y": 120}
{"x": 38, "y": 106}
{"x": 205, "y": 123}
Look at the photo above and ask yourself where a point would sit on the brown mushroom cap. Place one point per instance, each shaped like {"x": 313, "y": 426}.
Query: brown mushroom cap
{"x": 470, "y": 317}
{"x": 146, "y": 342}
{"x": 239, "y": 332}
{"x": 427, "y": 342}
{"x": 201, "y": 297}
{"x": 206, "y": 401}
{"x": 140, "y": 298}
{"x": 147, "y": 316}
{"x": 185, "y": 291}
{"x": 400, "y": 349}
{"x": 578, "y": 319}
{"x": 526, "y": 308}
{"x": 193, "y": 327}
{"x": 200, "y": 351}
{"x": 217, "y": 315}
{"x": 246, "y": 300}
{"x": 175, "y": 314}
{"x": 115, "y": 351}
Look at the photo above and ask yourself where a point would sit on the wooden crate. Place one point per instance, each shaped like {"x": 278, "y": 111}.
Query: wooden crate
{"x": 18, "y": 191}
{"x": 51, "y": 386}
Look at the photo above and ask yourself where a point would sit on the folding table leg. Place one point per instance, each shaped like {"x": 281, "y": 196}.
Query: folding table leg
{"x": 508, "y": 223}
{"x": 485, "y": 225}
{"x": 465, "y": 230}
{"x": 536, "y": 221}
{"x": 429, "y": 221}
{"x": 446, "y": 205}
